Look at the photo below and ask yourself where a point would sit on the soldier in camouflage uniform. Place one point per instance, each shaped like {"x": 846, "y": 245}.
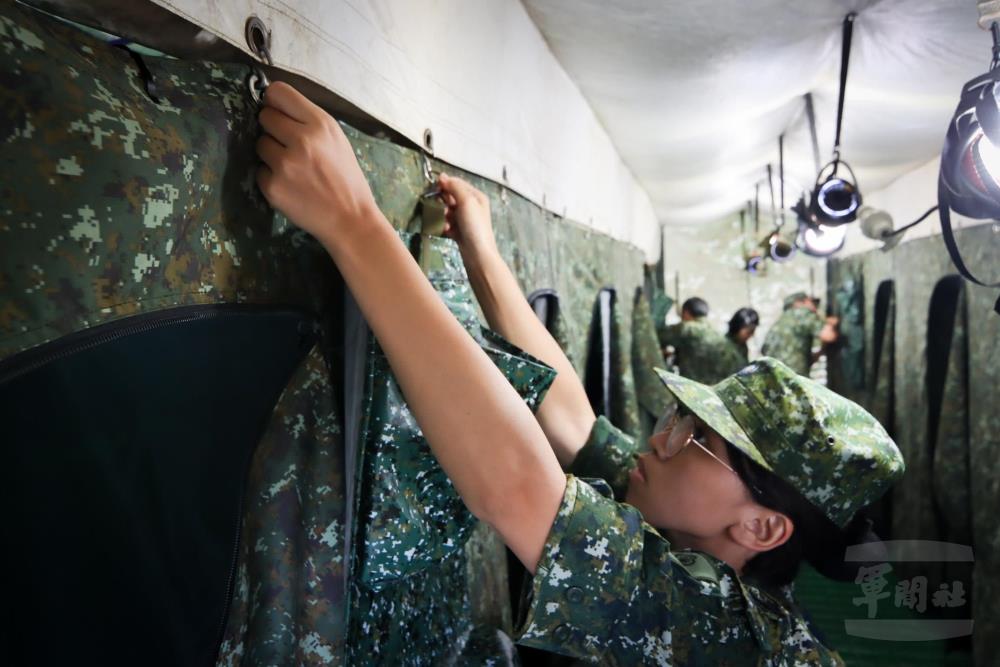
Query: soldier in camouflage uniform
{"x": 702, "y": 353}
{"x": 607, "y": 585}
{"x": 799, "y": 331}
{"x": 742, "y": 326}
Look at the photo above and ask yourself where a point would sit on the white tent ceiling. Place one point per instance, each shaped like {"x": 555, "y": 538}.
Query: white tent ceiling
{"x": 694, "y": 94}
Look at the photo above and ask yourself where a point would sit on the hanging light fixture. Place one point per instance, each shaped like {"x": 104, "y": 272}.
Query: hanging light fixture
{"x": 776, "y": 245}
{"x": 816, "y": 239}
{"x": 969, "y": 180}
{"x": 835, "y": 199}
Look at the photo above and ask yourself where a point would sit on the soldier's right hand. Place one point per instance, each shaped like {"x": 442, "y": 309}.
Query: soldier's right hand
{"x": 310, "y": 172}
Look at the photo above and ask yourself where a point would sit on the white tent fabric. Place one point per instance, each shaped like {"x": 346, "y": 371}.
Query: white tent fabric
{"x": 478, "y": 74}
{"x": 694, "y": 94}
{"x": 688, "y": 96}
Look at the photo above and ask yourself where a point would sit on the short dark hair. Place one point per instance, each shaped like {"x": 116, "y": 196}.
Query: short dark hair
{"x": 744, "y": 317}
{"x": 696, "y": 306}
{"x": 815, "y": 539}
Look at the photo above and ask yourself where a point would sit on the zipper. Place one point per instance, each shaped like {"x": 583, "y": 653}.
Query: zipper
{"x": 80, "y": 341}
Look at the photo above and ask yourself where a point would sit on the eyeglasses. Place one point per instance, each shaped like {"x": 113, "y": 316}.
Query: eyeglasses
{"x": 685, "y": 429}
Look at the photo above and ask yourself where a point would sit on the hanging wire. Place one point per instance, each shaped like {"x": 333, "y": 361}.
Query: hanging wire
{"x": 995, "y": 31}
{"x": 756, "y": 210}
{"x": 845, "y": 59}
{"x": 781, "y": 177}
{"x": 770, "y": 184}
{"x": 897, "y": 232}
{"x": 811, "y": 117}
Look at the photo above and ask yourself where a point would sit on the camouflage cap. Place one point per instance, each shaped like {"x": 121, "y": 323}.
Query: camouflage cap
{"x": 792, "y": 298}
{"x": 828, "y": 448}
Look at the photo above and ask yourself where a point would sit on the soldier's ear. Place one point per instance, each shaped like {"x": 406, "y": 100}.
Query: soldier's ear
{"x": 762, "y": 530}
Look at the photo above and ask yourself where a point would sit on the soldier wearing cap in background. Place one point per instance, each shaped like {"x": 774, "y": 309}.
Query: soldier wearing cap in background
{"x": 743, "y": 482}
{"x": 699, "y": 351}
{"x": 796, "y": 338}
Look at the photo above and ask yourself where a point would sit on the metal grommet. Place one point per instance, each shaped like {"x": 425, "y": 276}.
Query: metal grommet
{"x": 561, "y": 633}
{"x": 258, "y": 38}
{"x": 429, "y": 141}
{"x": 830, "y": 440}
{"x": 686, "y": 559}
{"x": 574, "y": 594}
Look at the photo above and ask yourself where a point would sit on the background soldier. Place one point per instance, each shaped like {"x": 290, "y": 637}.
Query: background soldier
{"x": 701, "y": 353}
{"x": 798, "y": 331}
{"x": 742, "y": 326}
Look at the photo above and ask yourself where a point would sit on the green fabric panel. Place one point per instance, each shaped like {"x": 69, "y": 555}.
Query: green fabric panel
{"x": 849, "y": 306}
{"x": 652, "y": 395}
{"x": 916, "y": 267}
{"x": 880, "y": 401}
{"x": 115, "y": 206}
{"x": 983, "y": 335}
{"x": 288, "y": 602}
{"x": 950, "y": 474}
{"x": 131, "y": 207}
{"x": 416, "y": 543}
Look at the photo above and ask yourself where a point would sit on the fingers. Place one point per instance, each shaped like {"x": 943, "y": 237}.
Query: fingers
{"x": 269, "y": 150}
{"x": 460, "y": 191}
{"x": 292, "y": 103}
{"x": 279, "y": 125}
{"x": 265, "y": 181}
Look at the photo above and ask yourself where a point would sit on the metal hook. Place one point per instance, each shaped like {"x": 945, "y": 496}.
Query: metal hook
{"x": 434, "y": 190}
{"x": 258, "y": 38}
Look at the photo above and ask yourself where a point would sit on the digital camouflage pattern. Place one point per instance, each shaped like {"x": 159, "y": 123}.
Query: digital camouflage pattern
{"x": 790, "y": 300}
{"x": 115, "y": 205}
{"x": 608, "y": 454}
{"x": 849, "y": 306}
{"x": 646, "y": 355}
{"x": 793, "y": 337}
{"x": 608, "y": 588}
{"x": 703, "y": 354}
{"x": 950, "y": 472}
{"x": 410, "y": 517}
{"x": 829, "y": 448}
{"x": 741, "y": 349}
{"x": 410, "y": 595}
{"x": 288, "y": 602}
{"x": 898, "y": 392}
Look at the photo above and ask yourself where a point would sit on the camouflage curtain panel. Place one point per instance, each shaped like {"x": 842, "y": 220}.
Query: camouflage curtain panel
{"x": 653, "y": 396}
{"x": 932, "y": 501}
{"x": 412, "y": 602}
{"x": 120, "y": 204}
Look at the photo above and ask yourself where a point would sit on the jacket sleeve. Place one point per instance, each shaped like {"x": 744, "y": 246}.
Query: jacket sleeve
{"x": 587, "y": 577}
{"x": 609, "y": 455}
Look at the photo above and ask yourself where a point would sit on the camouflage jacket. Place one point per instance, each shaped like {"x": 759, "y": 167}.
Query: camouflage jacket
{"x": 609, "y": 589}
{"x": 703, "y": 354}
{"x": 741, "y": 349}
{"x": 793, "y": 337}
